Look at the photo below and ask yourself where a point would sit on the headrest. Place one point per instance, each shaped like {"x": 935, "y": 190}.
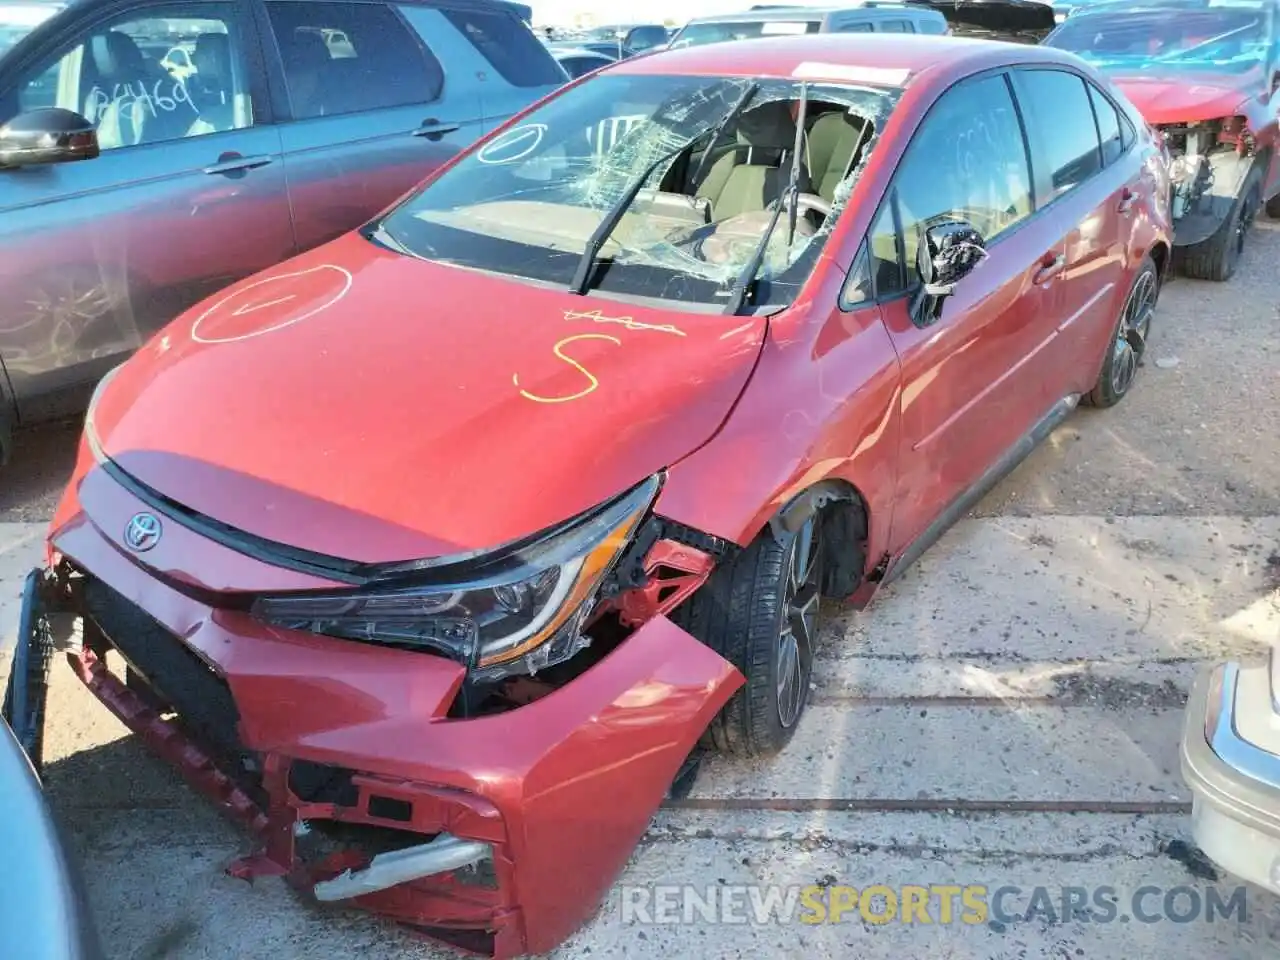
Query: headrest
{"x": 115, "y": 54}
{"x": 306, "y": 50}
{"x": 212, "y": 57}
{"x": 769, "y": 125}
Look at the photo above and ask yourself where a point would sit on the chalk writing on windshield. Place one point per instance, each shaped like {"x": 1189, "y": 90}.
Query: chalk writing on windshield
{"x": 162, "y": 96}
{"x": 515, "y": 144}
{"x": 558, "y": 349}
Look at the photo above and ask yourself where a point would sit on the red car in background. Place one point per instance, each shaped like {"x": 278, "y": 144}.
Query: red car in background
{"x": 1206, "y": 74}
{"x": 436, "y": 552}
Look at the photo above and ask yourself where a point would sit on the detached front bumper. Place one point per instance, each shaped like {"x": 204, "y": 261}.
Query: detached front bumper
{"x": 1231, "y": 761}
{"x": 499, "y": 834}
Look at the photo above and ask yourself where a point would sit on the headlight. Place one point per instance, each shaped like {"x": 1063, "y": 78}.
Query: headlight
{"x": 516, "y": 610}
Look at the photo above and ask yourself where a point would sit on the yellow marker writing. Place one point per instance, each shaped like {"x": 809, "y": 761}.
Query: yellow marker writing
{"x": 515, "y": 378}
{"x": 631, "y": 323}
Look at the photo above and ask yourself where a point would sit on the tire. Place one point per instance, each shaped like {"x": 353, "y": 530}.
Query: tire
{"x": 1273, "y": 207}
{"x": 1217, "y": 258}
{"x": 1128, "y": 341}
{"x": 744, "y": 613}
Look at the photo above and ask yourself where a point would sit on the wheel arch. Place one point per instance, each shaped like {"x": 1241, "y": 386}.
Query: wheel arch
{"x": 846, "y": 519}
{"x": 1159, "y": 254}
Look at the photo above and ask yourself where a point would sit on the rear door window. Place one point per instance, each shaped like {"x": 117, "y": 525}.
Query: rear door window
{"x": 1061, "y": 128}
{"x": 895, "y": 26}
{"x": 1109, "y": 125}
{"x": 509, "y": 46}
{"x": 342, "y": 58}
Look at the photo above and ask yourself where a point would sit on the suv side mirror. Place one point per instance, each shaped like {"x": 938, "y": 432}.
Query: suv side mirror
{"x": 48, "y": 135}
{"x": 947, "y": 251}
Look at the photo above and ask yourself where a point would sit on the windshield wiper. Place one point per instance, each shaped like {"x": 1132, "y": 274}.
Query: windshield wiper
{"x": 791, "y": 198}
{"x": 718, "y": 131}
{"x": 582, "y": 275}
{"x": 1181, "y": 54}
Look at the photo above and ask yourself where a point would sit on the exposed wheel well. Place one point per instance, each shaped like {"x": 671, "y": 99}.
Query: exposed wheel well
{"x": 1160, "y": 255}
{"x": 845, "y": 519}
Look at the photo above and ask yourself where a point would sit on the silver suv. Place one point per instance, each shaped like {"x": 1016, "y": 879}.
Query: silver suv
{"x": 230, "y": 135}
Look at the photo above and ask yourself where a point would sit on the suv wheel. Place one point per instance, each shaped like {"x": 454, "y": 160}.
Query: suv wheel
{"x": 1218, "y": 257}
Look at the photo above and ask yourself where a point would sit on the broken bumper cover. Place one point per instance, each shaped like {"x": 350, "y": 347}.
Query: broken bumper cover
{"x": 511, "y": 826}
{"x": 1235, "y": 782}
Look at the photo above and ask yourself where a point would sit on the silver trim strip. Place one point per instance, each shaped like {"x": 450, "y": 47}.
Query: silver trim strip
{"x": 444, "y": 853}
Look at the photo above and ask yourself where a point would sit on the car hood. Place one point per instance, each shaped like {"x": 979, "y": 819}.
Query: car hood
{"x": 371, "y": 406}
{"x": 1165, "y": 99}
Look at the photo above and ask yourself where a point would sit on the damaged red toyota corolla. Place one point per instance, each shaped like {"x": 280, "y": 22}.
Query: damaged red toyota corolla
{"x": 435, "y": 553}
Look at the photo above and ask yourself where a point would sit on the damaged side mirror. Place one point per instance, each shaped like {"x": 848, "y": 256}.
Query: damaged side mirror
{"x": 947, "y": 251}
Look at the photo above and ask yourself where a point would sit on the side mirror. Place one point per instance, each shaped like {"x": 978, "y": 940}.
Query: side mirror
{"x": 947, "y": 251}
{"x": 50, "y": 135}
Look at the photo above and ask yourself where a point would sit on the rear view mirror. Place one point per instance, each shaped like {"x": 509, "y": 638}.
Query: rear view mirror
{"x": 947, "y": 251}
{"x": 50, "y": 135}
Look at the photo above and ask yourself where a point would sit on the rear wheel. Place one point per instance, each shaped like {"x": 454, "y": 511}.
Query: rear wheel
{"x": 1128, "y": 341}
{"x": 1218, "y": 257}
{"x": 1273, "y": 207}
{"x": 760, "y": 612}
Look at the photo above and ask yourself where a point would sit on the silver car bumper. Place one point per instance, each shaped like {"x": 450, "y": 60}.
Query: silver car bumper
{"x": 1231, "y": 761}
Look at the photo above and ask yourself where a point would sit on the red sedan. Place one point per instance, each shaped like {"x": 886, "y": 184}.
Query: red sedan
{"x": 434, "y": 554}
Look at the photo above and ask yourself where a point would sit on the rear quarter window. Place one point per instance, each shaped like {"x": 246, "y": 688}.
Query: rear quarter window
{"x": 509, "y": 46}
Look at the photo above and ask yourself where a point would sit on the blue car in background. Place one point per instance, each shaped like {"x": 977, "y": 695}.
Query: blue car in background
{"x": 44, "y": 914}
{"x": 213, "y": 139}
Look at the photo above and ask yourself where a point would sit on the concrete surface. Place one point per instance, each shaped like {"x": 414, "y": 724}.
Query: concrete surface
{"x": 1007, "y": 715}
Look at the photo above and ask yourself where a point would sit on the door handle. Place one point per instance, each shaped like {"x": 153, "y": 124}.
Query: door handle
{"x": 1050, "y": 266}
{"x": 433, "y": 129}
{"x": 1126, "y": 201}
{"x": 233, "y": 162}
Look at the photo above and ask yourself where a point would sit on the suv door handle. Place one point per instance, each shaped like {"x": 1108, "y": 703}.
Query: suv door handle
{"x": 433, "y": 129}
{"x": 1126, "y": 201}
{"x": 233, "y": 162}
{"x": 1050, "y": 266}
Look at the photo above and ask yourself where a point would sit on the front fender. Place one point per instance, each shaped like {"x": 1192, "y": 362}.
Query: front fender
{"x": 822, "y": 405}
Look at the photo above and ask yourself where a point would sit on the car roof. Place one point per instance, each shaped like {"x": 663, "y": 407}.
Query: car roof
{"x": 510, "y": 6}
{"x": 841, "y": 57}
{"x": 756, "y": 14}
{"x": 1162, "y": 6}
{"x": 573, "y": 50}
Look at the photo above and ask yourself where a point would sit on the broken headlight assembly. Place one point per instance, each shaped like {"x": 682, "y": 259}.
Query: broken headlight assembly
{"x": 516, "y": 610}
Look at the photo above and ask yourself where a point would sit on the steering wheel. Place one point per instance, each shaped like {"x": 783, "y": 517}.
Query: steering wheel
{"x": 805, "y": 203}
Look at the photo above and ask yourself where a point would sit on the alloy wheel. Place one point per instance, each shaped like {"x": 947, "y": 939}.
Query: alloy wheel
{"x": 799, "y": 624}
{"x": 1131, "y": 338}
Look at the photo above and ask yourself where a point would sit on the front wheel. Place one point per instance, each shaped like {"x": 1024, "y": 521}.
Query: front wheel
{"x": 1128, "y": 342}
{"x": 760, "y": 613}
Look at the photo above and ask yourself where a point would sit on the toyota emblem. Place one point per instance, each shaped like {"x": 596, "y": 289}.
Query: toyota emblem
{"x": 143, "y": 532}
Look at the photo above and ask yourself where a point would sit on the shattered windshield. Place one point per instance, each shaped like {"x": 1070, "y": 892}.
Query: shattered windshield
{"x": 19, "y": 19}
{"x": 1223, "y": 38}
{"x": 627, "y": 156}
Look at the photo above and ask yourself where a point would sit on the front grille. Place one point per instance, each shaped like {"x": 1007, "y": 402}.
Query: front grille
{"x": 171, "y": 669}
